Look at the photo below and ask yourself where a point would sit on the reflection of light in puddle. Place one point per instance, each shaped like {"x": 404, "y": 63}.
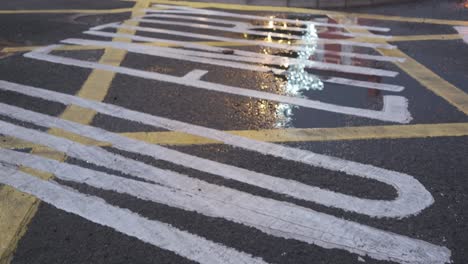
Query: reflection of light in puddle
{"x": 298, "y": 79}
{"x": 271, "y": 23}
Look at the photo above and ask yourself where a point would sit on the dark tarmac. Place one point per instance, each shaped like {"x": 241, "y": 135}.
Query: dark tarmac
{"x": 438, "y": 163}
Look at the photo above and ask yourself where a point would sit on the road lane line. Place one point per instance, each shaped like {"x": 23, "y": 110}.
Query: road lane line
{"x": 412, "y": 196}
{"x": 395, "y": 108}
{"x": 272, "y": 217}
{"x": 96, "y": 210}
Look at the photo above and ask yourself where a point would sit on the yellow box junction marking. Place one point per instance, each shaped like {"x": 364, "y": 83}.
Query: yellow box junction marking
{"x": 17, "y": 209}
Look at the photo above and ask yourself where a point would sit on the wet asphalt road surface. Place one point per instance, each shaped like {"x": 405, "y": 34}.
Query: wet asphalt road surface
{"x": 439, "y": 163}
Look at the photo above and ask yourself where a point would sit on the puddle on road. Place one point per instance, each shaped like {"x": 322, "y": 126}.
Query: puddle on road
{"x": 297, "y": 81}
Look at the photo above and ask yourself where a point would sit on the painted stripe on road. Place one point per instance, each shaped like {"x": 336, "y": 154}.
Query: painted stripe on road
{"x": 310, "y": 11}
{"x": 66, "y": 11}
{"x": 246, "y": 41}
{"x": 200, "y": 44}
{"x": 282, "y": 135}
{"x": 94, "y": 88}
{"x": 430, "y": 80}
{"x": 272, "y": 217}
{"x": 186, "y": 9}
{"x": 395, "y": 108}
{"x": 313, "y": 134}
{"x": 125, "y": 221}
{"x": 220, "y": 59}
{"x": 412, "y": 198}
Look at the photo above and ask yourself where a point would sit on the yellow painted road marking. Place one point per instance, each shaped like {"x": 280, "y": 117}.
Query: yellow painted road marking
{"x": 425, "y": 37}
{"x": 313, "y": 134}
{"x": 311, "y": 11}
{"x": 15, "y": 219}
{"x": 279, "y": 135}
{"x": 424, "y": 76}
{"x": 64, "y": 11}
{"x": 12, "y": 224}
{"x": 17, "y": 208}
{"x": 13, "y": 143}
{"x": 430, "y": 80}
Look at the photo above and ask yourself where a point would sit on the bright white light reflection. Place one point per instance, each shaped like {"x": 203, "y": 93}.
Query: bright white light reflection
{"x": 298, "y": 79}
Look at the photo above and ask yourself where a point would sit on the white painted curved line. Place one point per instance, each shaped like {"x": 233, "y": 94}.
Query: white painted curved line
{"x": 211, "y": 48}
{"x": 300, "y": 29}
{"x": 248, "y": 26}
{"x": 248, "y": 41}
{"x": 395, "y": 108}
{"x": 124, "y": 221}
{"x": 211, "y": 27}
{"x": 272, "y": 217}
{"x": 217, "y": 58}
{"x": 412, "y": 196}
{"x": 189, "y": 10}
{"x": 245, "y": 56}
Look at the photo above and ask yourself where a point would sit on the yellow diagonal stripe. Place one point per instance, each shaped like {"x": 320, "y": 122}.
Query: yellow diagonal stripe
{"x": 430, "y": 80}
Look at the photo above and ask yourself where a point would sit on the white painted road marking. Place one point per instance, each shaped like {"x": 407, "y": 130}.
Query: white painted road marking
{"x": 226, "y": 60}
{"x": 395, "y": 108}
{"x": 211, "y": 48}
{"x": 272, "y": 217}
{"x": 98, "y": 211}
{"x": 247, "y": 26}
{"x": 463, "y": 31}
{"x": 190, "y": 10}
{"x": 412, "y": 196}
{"x": 245, "y": 41}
